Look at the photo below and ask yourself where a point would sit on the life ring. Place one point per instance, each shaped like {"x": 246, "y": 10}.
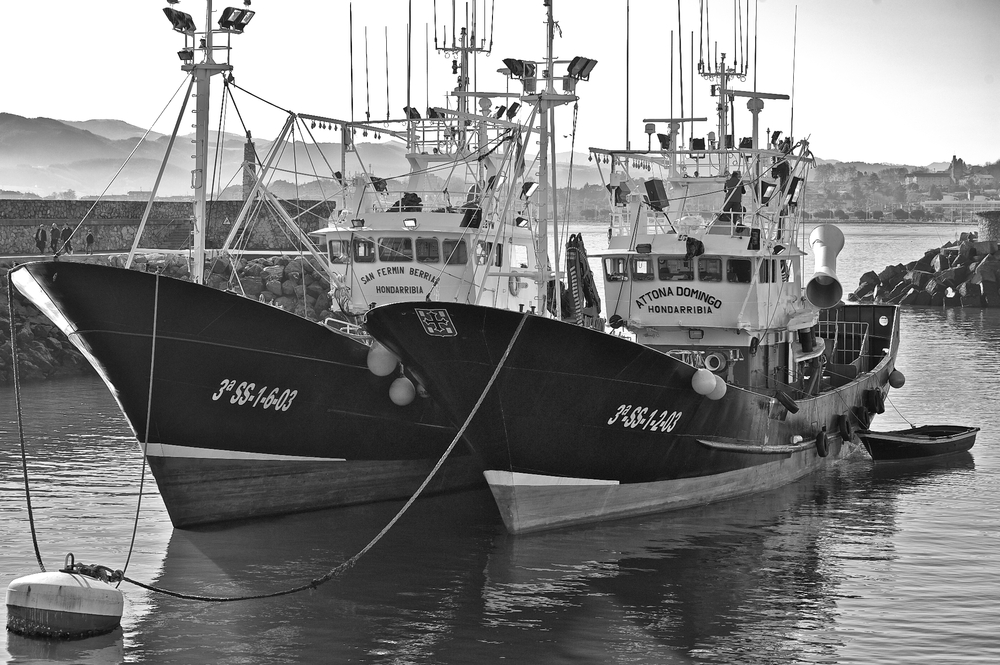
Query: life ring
{"x": 715, "y": 362}
{"x": 513, "y": 285}
{"x": 787, "y": 401}
{"x": 822, "y": 449}
{"x": 846, "y": 426}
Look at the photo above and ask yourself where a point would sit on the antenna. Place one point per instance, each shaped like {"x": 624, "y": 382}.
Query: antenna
{"x": 368, "y": 96}
{"x": 351, "y": 28}
{"x": 680, "y": 64}
{"x": 409, "y": 36}
{"x": 387, "y": 73}
{"x": 628, "y": 18}
{"x": 795, "y": 39}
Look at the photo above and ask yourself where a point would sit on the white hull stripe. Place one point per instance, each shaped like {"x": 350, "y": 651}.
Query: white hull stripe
{"x": 517, "y": 479}
{"x": 188, "y": 452}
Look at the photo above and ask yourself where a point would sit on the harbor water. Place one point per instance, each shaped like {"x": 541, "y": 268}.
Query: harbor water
{"x": 895, "y": 563}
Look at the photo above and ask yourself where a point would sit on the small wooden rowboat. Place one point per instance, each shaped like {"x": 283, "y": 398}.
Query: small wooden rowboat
{"x": 918, "y": 442}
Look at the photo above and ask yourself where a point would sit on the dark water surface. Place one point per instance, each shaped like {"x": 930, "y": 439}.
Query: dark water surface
{"x": 860, "y": 564}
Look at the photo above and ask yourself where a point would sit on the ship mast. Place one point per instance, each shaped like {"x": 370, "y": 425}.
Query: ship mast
{"x": 202, "y": 73}
{"x": 546, "y": 100}
{"x": 232, "y": 21}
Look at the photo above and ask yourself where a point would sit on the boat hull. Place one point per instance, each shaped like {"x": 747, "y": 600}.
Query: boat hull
{"x": 581, "y": 426}
{"x": 243, "y": 410}
{"x": 918, "y": 442}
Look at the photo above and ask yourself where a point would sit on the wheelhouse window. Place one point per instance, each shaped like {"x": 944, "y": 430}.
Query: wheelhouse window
{"x": 427, "y": 250}
{"x": 709, "y": 269}
{"x": 456, "y": 253}
{"x": 364, "y": 250}
{"x": 518, "y": 256}
{"x": 642, "y": 268}
{"x": 339, "y": 251}
{"x": 674, "y": 269}
{"x": 395, "y": 249}
{"x": 769, "y": 271}
{"x": 616, "y": 269}
{"x": 483, "y": 251}
{"x": 739, "y": 271}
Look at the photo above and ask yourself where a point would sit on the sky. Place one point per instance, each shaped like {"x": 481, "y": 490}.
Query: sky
{"x": 893, "y": 81}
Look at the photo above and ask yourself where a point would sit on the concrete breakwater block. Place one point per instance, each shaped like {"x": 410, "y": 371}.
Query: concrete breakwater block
{"x": 962, "y": 273}
{"x": 63, "y": 606}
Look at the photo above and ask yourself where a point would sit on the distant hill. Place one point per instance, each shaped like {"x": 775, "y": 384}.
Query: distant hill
{"x": 115, "y": 130}
{"x": 44, "y": 156}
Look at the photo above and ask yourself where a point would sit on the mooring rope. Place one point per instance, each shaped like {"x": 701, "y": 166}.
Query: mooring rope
{"x": 149, "y": 411}
{"x": 349, "y": 563}
{"x": 20, "y": 419}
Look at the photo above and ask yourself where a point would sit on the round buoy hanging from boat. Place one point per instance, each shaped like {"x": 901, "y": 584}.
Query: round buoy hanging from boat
{"x": 720, "y": 389}
{"x": 703, "y": 381}
{"x": 381, "y": 361}
{"x": 402, "y": 392}
{"x": 62, "y": 605}
{"x": 896, "y": 379}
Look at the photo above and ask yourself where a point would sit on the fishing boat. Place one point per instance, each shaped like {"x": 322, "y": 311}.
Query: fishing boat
{"x": 724, "y": 367}
{"x": 918, "y": 442}
{"x": 243, "y": 409}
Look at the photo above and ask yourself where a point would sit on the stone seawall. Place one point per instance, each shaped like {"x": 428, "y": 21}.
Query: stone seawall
{"x": 114, "y": 223}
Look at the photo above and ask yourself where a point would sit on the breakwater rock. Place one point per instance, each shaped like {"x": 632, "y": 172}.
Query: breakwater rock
{"x": 962, "y": 273}
{"x": 294, "y": 284}
{"x": 43, "y": 351}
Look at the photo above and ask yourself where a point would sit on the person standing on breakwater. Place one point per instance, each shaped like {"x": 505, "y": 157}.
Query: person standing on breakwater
{"x": 66, "y": 238}
{"x": 41, "y": 238}
{"x": 54, "y": 238}
{"x": 90, "y": 241}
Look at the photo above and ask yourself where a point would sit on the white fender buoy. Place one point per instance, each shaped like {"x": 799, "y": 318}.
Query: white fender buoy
{"x": 402, "y": 392}
{"x": 381, "y": 361}
{"x": 62, "y": 605}
{"x": 703, "y": 381}
{"x": 896, "y": 379}
{"x": 720, "y": 388}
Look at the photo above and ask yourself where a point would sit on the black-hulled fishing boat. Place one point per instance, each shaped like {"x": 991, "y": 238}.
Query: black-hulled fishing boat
{"x": 918, "y": 442}
{"x": 727, "y": 369}
{"x": 244, "y": 409}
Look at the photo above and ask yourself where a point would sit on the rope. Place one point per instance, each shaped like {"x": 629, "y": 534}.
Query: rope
{"x": 348, "y": 564}
{"x": 20, "y": 420}
{"x": 145, "y": 440}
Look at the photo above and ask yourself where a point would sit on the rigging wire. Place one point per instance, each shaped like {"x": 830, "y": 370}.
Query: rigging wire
{"x": 62, "y": 246}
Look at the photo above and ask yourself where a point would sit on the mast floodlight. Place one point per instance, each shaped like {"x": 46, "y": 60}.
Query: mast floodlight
{"x": 580, "y": 67}
{"x": 181, "y": 21}
{"x": 528, "y": 188}
{"x": 187, "y": 55}
{"x": 512, "y": 111}
{"x": 520, "y": 69}
{"x": 234, "y": 19}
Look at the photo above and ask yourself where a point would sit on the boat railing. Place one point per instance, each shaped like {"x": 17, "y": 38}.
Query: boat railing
{"x": 848, "y": 341}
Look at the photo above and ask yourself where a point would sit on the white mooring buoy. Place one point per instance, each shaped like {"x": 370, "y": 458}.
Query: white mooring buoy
{"x": 62, "y": 605}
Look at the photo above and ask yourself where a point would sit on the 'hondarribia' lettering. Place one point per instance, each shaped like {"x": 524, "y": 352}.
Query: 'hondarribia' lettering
{"x": 646, "y": 299}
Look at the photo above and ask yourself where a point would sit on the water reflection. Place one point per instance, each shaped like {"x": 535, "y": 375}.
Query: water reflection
{"x": 724, "y": 583}
{"x": 101, "y": 650}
